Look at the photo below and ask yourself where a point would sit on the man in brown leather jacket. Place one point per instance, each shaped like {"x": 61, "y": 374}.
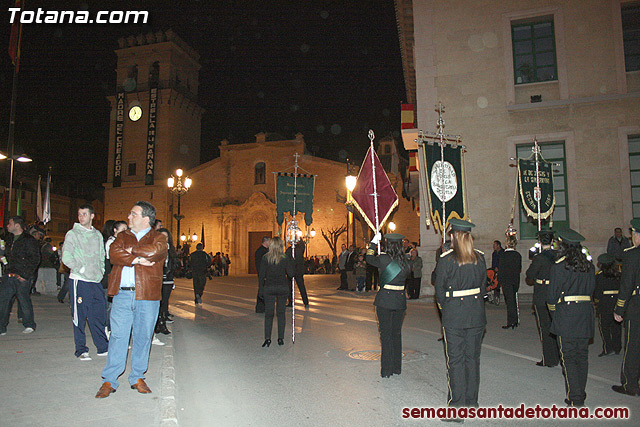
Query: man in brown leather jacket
{"x": 135, "y": 282}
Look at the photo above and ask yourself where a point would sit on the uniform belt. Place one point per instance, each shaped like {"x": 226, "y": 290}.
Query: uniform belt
{"x": 635, "y": 292}
{"x": 132, "y": 288}
{"x": 542, "y": 281}
{"x": 614, "y": 292}
{"x": 574, "y": 298}
{"x": 394, "y": 287}
{"x": 464, "y": 293}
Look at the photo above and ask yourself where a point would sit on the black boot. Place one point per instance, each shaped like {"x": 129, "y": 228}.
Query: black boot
{"x": 162, "y": 326}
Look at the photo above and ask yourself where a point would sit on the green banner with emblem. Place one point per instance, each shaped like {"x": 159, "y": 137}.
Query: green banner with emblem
{"x": 445, "y": 181}
{"x": 527, "y": 185}
{"x": 300, "y": 186}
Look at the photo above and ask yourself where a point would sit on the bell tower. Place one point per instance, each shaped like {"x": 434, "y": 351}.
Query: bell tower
{"x": 155, "y": 121}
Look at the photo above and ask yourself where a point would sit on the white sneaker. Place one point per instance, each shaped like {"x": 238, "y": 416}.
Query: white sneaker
{"x": 103, "y": 354}
{"x": 3, "y": 333}
{"x": 28, "y": 330}
{"x": 84, "y": 356}
{"x": 156, "y": 341}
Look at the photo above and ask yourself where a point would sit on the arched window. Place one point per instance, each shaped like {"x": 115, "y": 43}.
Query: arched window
{"x": 260, "y": 173}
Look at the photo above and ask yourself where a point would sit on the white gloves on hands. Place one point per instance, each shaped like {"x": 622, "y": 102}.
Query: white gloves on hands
{"x": 376, "y": 239}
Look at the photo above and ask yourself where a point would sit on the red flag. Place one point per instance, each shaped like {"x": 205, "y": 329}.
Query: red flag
{"x": 4, "y": 194}
{"x": 16, "y": 36}
{"x": 363, "y": 193}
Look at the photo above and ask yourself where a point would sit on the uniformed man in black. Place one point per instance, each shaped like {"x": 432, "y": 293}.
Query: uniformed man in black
{"x": 605, "y": 297}
{"x": 628, "y": 310}
{"x": 390, "y": 301}
{"x": 571, "y": 285}
{"x": 538, "y": 276}
{"x": 461, "y": 277}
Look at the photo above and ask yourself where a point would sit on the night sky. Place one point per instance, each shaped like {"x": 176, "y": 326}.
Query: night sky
{"x": 328, "y": 69}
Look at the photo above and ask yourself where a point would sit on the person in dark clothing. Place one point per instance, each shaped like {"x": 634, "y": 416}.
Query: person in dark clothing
{"x": 274, "y": 287}
{"x": 617, "y": 244}
{"x": 605, "y": 297}
{"x": 571, "y": 284}
{"x": 509, "y": 279}
{"x": 390, "y": 301}
{"x": 200, "y": 262}
{"x": 628, "y": 310}
{"x": 260, "y": 252}
{"x": 538, "y": 276}
{"x": 299, "y": 276}
{"x": 495, "y": 255}
{"x": 461, "y": 276}
{"x": 23, "y": 258}
{"x": 170, "y": 265}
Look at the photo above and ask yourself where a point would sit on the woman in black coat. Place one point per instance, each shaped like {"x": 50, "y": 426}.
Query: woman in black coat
{"x": 274, "y": 287}
{"x": 509, "y": 279}
{"x": 170, "y": 265}
{"x": 461, "y": 276}
{"x": 390, "y": 301}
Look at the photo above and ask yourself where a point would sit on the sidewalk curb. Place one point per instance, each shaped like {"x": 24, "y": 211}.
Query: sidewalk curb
{"x": 168, "y": 413}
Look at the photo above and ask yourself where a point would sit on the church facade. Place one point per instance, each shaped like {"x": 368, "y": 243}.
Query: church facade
{"x": 231, "y": 203}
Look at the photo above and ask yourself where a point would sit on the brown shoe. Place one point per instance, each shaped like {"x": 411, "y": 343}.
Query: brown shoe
{"x": 105, "y": 390}
{"x": 141, "y": 386}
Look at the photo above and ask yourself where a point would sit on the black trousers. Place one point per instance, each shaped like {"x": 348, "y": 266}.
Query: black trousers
{"x": 275, "y": 300}
{"x": 550, "y": 355}
{"x": 199, "y": 280}
{"x": 511, "y": 300}
{"x": 631, "y": 363}
{"x": 462, "y": 352}
{"x": 574, "y": 354}
{"x": 371, "y": 280}
{"x": 343, "y": 280}
{"x": 303, "y": 291}
{"x": 164, "y": 302}
{"x": 413, "y": 288}
{"x": 390, "y": 328}
{"x": 610, "y": 330}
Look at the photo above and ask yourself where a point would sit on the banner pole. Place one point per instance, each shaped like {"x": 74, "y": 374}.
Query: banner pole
{"x": 375, "y": 189}
{"x": 537, "y": 193}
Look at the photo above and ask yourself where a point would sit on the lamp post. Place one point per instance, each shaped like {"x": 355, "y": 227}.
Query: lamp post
{"x": 179, "y": 187}
{"x": 310, "y": 235}
{"x": 22, "y": 158}
{"x": 350, "y": 182}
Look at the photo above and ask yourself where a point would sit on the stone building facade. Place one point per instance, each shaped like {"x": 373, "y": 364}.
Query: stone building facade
{"x": 507, "y": 72}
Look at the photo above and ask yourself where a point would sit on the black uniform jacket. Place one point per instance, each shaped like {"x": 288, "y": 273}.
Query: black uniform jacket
{"x": 606, "y": 293}
{"x": 465, "y": 311}
{"x": 510, "y": 268}
{"x": 538, "y": 272}
{"x": 387, "y": 298}
{"x": 274, "y": 276}
{"x": 571, "y": 318}
{"x": 628, "y": 304}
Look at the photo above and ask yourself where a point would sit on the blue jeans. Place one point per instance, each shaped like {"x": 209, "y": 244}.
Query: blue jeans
{"x": 10, "y": 287}
{"x": 130, "y": 318}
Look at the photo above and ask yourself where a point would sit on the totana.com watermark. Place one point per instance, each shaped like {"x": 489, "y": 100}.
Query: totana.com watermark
{"x": 41, "y": 16}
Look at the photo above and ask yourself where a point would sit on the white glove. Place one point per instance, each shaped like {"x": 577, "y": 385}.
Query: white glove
{"x": 376, "y": 239}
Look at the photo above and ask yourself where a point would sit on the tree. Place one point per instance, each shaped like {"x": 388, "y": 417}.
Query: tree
{"x": 332, "y": 235}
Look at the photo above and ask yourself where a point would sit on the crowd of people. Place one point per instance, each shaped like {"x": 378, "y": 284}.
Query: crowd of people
{"x": 113, "y": 281}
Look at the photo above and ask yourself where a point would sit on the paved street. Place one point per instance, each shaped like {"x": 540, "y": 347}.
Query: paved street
{"x": 224, "y": 377}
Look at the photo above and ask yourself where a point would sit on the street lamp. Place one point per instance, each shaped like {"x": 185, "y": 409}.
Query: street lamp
{"x": 310, "y": 235}
{"x": 22, "y": 158}
{"x": 392, "y": 226}
{"x": 179, "y": 187}
{"x": 194, "y": 237}
{"x": 350, "y": 181}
